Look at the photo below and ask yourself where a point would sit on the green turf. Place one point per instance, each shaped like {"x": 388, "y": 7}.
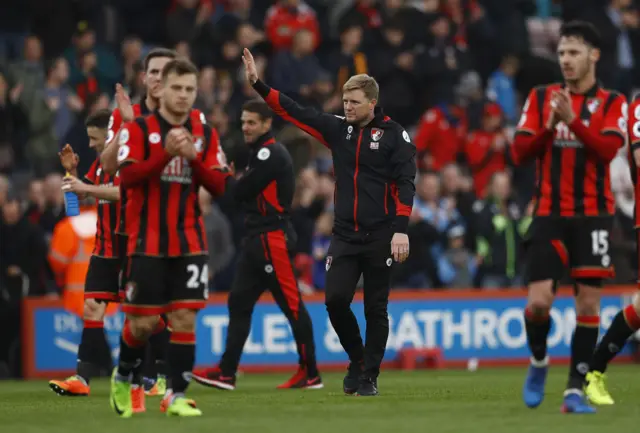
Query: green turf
{"x": 423, "y": 401}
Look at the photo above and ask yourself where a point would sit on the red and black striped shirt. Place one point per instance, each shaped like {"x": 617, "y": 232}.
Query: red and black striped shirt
{"x": 163, "y": 215}
{"x": 114, "y": 126}
{"x": 115, "y": 123}
{"x": 634, "y": 145}
{"x": 572, "y": 161}
{"x": 108, "y": 211}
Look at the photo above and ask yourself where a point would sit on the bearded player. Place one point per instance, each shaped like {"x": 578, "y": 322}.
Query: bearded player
{"x": 573, "y": 131}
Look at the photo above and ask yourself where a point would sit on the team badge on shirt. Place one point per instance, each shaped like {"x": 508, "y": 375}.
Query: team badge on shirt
{"x": 376, "y": 134}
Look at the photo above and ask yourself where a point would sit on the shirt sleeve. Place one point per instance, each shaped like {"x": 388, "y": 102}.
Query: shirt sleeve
{"x": 615, "y": 121}
{"x": 92, "y": 175}
{"x": 131, "y": 144}
{"x": 322, "y": 126}
{"x": 115, "y": 122}
{"x": 531, "y": 113}
{"x": 264, "y": 170}
{"x": 634, "y": 124}
{"x": 403, "y": 161}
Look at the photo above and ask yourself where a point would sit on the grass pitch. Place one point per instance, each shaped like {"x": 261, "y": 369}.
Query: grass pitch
{"x": 455, "y": 401}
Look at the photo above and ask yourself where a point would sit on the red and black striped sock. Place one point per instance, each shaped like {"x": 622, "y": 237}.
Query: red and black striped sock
{"x": 623, "y": 326}
{"x": 131, "y": 352}
{"x": 181, "y": 357}
{"x": 91, "y": 347}
{"x": 537, "y": 324}
{"x": 583, "y": 344}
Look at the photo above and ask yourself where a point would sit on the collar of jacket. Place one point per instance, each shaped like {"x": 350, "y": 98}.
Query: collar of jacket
{"x": 378, "y": 118}
{"x": 263, "y": 140}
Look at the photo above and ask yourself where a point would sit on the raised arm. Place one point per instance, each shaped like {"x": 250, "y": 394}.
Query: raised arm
{"x": 533, "y": 133}
{"x": 124, "y": 113}
{"x": 320, "y": 125}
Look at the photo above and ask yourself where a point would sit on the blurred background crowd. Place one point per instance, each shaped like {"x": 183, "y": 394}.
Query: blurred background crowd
{"x": 453, "y": 72}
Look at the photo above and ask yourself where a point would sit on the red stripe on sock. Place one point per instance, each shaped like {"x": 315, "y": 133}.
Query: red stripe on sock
{"x": 588, "y": 321}
{"x": 93, "y": 324}
{"x": 631, "y": 317}
{"x": 160, "y": 326}
{"x": 536, "y": 316}
{"x": 183, "y": 338}
{"x": 128, "y": 338}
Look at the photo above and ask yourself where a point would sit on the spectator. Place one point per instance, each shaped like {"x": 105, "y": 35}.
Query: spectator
{"x": 54, "y": 209}
{"x": 288, "y": 17}
{"x": 91, "y": 65}
{"x": 14, "y": 22}
{"x": 36, "y": 201}
{"x": 22, "y": 251}
{"x": 502, "y": 88}
{"x": 486, "y": 149}
{"x": 500, "y": 228}
{"x": 29, "y": 72}
{"x": 12, "y": 119}
{"x": 457, "y": 266}
{"x": 219, "y": 235}
{"x": 4, "y": 189}
{"x": 393, "y": 63}
{"x": 295, "y": 72}
{"x": 190, "y": 22}
{"x": 131, "y": 58}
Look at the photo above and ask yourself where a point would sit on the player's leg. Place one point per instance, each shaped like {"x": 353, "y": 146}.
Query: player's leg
{"x": 343, "y": 272}
{"x": 88, "y": 352}
{"x": 547, "y": 258}
{"x": 188, "y": 278}
{"x": 144, "y": 301}
{"x": 376, "y": 262}
{"x": 101, "y": 287}
{"x": 624, "y": 325}
{"x": 590, "y": 265}
{"x": 281, "y": 281}
{"x": 245, "y": 292}
{"x": 158, "y": 342}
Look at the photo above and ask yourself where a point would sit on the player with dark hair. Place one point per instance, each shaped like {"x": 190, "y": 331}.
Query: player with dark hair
{"x": 102, "y": 280}
{"x": 627, "y": 321}
{"x": 265, "y": 191}
{"x": 375, "y": 166}
{"x": 164, "y": 158}
{"x": 573, "y": 130}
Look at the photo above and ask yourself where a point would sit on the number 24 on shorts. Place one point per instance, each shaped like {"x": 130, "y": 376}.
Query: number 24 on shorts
{"x": 197, "y": 278}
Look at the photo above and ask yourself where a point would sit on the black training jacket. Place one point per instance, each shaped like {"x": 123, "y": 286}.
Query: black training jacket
{"x": 374, "y": 166}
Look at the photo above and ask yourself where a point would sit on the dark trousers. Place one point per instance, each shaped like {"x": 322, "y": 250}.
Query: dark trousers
{"x": 345, "y": 263}
{"x": 265, "y": 262}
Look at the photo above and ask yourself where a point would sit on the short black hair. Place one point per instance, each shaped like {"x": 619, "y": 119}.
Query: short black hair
{"x": 583, "y": 30}
{"x": 259, "y": 107}
{"x": 99, "y": 119}
{"x": 159, "y": 52}
{"x": 179, "y": 67}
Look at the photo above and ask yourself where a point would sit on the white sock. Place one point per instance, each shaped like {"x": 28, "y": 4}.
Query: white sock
{"x": 541, "y": 363}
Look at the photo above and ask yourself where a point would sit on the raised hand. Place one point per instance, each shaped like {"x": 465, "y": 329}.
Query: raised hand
{"x": 124, "y": 104}
{"x": 250, "y": 70}
{"x": 68, "y": 158}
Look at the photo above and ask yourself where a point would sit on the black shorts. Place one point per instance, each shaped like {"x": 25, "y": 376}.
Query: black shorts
{"x": 580, "y": 244}
{"x": 103, "y": 279}
{"x": 157, "y": 285}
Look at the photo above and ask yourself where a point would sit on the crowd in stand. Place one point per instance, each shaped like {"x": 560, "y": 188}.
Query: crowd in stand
{"x": 452, "y": 72}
